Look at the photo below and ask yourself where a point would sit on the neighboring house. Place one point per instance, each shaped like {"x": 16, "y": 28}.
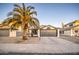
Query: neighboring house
{"x": 6, "y": 32}
{"x": 71, "y": 28}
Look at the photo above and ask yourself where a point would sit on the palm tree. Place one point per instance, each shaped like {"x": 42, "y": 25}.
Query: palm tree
{"x": 22, "y": 16}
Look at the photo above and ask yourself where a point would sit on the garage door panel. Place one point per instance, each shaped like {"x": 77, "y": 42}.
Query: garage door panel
{"x": 48, "y": 33}
{"x": 18, "y": 33}
{"x": 4, "y": 33}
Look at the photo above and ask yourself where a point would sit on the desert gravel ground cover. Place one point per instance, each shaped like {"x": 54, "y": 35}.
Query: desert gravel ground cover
{"x": 44, "y": 45}
{"x": 69, "y": 38}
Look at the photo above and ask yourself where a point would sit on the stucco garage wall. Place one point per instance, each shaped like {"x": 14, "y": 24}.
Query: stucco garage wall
{"x": 48, "y": 33}
{"x": 18, "y": 33}
{"x": 4, "y": 32}
{"x": 68, "y": 32}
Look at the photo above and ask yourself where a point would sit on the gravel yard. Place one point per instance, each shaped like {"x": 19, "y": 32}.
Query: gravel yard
{"x": 46, "y": 45}
{"x": 69, "y": 38}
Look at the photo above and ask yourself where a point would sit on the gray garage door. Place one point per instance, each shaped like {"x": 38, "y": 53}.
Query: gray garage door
{"x": 18, "y": 33}
{"x": 4, "y": 33}
{"x": 48, "y": 33}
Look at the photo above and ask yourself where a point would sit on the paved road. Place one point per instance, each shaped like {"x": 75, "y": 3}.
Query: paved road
{"x": 51, "y": 45}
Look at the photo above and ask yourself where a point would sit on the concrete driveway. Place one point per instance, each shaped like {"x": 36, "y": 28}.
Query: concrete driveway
{"x": 46, "y": 45}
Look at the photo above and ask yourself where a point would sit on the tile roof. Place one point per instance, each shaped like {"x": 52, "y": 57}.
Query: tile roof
{"x": 47, "y": 27}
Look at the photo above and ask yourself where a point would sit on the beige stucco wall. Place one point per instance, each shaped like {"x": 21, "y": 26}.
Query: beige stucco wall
{"x": 69, "y": 32}
{"x": 12, "y": 33}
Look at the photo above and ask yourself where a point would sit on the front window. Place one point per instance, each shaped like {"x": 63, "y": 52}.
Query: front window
{"x": 34, "y": 31}
{"x": 76, "y": 31}
{"x": 70, "y": 24}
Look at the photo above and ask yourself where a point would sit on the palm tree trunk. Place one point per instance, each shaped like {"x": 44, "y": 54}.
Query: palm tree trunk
{"x": 24, "y": 37}
{"x": 24, "y": 32}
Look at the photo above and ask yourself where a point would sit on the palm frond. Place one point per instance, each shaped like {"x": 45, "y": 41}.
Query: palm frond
{"x": 16, "y": 14}
{"x": 16, "y": 25}
{"x": 29, "y": 8}
{"x": 34, "y": 22}
{"x": 35, "y": 19}
{"x": 18, "y": 10}
{"x": 18, "y": 6}
{"x": 7, "y": 21}
{"x": 17, "y": 17}
{"x": 24, "y": 9}
{"x": 10, "y": 13}
{"x": 33, "y": 12}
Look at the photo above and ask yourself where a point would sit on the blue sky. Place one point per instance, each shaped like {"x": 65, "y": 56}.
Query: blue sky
{"x": 50, "y": 13}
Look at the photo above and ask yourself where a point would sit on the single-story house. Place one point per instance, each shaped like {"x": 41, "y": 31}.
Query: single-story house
{"x": 43, "y": 30}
